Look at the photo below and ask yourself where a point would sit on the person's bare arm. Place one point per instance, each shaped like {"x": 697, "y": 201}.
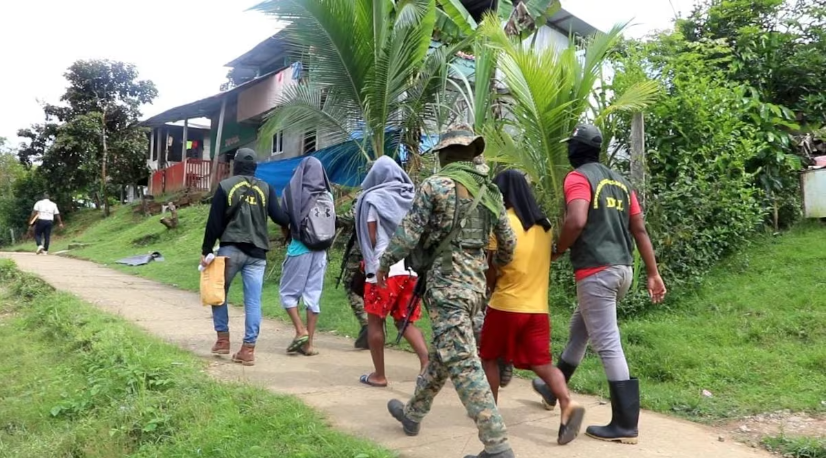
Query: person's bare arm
{"x": 656, "y": 286}
{"x": 576, "y": 217}
{"x": 492, "y": 273}
{"x": 59, "y": 220}
{"x": 372, "y": 232}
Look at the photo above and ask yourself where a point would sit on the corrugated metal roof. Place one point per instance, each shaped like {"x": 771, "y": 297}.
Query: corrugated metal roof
{"x": 262, "y": 53}
{"x": 565, "y": 21}
{"x": 203, "y": 108}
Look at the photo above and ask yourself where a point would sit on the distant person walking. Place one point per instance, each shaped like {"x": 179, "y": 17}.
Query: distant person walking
{"x": 517, "y": 327}
{"x": 308, "y": 201}
{"x": 43, "y": 216}
{"x": 238, "y": 217}
{"x": 602, "y": 222}
{"x": 386, "y": 197}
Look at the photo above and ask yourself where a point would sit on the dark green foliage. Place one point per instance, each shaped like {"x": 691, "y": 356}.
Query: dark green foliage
{"x": 96, "y": 124}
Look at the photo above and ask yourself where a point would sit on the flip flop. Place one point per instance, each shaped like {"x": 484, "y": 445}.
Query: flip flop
{"x": 297, "y": 343}
{"x": 365, "y": 379}
{"x": 304, "y": 352}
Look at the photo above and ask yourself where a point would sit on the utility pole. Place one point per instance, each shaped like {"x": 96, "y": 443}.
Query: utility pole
{"x": 638, "y": 156}
{"x": 217, "y": 147}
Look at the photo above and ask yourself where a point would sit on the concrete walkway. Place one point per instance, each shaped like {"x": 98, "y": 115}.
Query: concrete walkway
{"x": 329, "y": 381}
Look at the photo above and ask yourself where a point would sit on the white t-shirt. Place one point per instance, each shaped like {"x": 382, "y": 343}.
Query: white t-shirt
{"x": 46, "y": 209}
{"x": 381, "y": 244}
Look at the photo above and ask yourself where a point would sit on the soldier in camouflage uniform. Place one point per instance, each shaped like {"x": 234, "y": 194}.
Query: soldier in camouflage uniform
{"x": 455, "y": 284}
{"x": 351, "y": 266}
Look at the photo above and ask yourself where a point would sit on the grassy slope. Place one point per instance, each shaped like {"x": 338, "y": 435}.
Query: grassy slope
{"x": 78, "y": 382}
{"x": 753, "y": 335}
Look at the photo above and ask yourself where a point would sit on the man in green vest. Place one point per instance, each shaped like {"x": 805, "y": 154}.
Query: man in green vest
{"x": 603, "y": 220}
{"x": 238, "y": 218}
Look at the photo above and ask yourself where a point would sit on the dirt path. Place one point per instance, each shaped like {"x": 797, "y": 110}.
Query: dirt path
{"x": 329, "y": 381}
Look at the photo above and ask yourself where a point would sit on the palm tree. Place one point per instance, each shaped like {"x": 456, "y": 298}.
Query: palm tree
{"x": 549, "y": 91}
{"x": 368, "y": 64}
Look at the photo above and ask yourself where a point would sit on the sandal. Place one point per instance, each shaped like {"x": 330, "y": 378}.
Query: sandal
{"x": 505, "y": 373}
{"x": 365, "y": 379}
{"x": 297, "y": 343}
{"x": 304, "y": 352}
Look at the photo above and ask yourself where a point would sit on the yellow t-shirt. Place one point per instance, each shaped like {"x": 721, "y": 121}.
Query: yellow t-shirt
{"x": 522, "y": 285}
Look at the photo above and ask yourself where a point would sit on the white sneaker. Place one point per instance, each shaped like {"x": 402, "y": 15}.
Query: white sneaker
{"x": 40, "y": 250}
{"x": 45, "y": 253}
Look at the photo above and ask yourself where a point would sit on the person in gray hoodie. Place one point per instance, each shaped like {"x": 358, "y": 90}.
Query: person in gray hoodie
{"x": 387, "y": 195}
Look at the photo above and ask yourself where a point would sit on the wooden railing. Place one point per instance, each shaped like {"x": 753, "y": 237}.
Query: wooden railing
{"x": 194, "y": 174}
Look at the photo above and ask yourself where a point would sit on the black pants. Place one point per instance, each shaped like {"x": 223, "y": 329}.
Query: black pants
{"x": 43, "y": 232}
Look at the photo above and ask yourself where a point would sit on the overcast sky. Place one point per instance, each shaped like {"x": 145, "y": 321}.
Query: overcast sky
{"x": 181, "y": 45}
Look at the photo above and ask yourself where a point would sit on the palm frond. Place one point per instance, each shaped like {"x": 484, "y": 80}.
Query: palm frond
{"x": 635, "y": 98}
{"x": 458, "y": 16}
{"x": 305, "y": 108}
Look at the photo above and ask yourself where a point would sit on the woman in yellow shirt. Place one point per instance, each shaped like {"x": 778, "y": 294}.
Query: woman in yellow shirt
{"x": 517, "y": 328}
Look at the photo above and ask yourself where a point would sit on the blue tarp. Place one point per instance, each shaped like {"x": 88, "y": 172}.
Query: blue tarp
{"x": 344, "y": 163}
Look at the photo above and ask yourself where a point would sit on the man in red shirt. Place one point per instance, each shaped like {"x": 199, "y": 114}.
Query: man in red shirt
{"x": 603, "y": 220}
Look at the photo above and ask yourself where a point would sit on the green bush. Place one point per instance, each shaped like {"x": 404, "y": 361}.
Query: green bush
{"x": 702, "y": 203}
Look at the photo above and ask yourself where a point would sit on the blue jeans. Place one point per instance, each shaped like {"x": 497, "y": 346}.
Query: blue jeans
{"x": 252, "y": 274}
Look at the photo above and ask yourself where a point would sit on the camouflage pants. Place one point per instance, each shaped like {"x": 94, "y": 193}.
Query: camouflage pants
{"x": 356, "y": 301}
{"x": 453, "y": 355}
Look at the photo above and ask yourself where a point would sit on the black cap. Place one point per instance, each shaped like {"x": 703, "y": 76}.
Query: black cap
{"x": 245, "y": 155}
{"x": 587, "y": 134}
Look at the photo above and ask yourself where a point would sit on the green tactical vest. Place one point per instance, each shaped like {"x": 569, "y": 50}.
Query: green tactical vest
{"x": 246, "y": 211}
{"x": 475, "y": 234}
{"x": 606, "y": 239}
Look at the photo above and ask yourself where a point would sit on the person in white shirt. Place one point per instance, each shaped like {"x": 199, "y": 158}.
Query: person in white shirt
{"x": 43, "y": 216}
{"x": 387, "y": 195}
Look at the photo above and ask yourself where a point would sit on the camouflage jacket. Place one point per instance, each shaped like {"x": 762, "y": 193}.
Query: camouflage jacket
{"x": 348, "y": 221}
{"x": 431, "y": 217}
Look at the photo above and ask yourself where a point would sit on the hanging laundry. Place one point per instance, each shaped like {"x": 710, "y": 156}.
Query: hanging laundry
{"x": 298, "y": 68}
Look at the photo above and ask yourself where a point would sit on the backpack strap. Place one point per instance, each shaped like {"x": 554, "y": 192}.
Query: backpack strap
{"x": 442, "y": 250}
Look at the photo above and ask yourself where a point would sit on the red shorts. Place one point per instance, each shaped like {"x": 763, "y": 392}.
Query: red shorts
{"x": 392, "y": 300}
{"x": 523, "y": 339}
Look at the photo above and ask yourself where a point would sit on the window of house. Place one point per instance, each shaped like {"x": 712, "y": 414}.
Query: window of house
{"x": 278, "y": 143}
{"x": 310, "y": 140}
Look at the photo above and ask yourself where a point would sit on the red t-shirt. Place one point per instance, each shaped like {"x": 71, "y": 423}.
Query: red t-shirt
{"x": 577, "y": 187}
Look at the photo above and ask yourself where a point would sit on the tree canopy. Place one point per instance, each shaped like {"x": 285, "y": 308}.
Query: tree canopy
{"x": 93, "y": 130}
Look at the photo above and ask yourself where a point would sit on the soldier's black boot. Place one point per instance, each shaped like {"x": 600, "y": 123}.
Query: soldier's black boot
{"x": 506, "y": 454}
{"x": 361, "y": 340}
{"x": 396, "y": 409}
{"x": 548, "y": 398}
{"x": 625, "y": 408}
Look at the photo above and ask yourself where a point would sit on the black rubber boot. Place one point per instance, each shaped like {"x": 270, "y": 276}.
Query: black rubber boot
{"x": 361, "y": 340}
{"x": 548, "y": 398}
{"x": 396, "y": 409}
{"x": 625, "y": 406}
{"x": 506, "y": 454}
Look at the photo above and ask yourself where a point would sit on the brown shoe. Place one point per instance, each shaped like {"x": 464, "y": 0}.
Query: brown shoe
{"x": 221, "y": 346}
{"x": 246, "y": 355}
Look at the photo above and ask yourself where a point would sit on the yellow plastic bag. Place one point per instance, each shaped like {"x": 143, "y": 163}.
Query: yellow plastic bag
{"x": 212, "y": 282}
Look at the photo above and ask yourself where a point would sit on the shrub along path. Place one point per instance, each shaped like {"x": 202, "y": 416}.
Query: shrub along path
{"x": 329, "y": 381}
